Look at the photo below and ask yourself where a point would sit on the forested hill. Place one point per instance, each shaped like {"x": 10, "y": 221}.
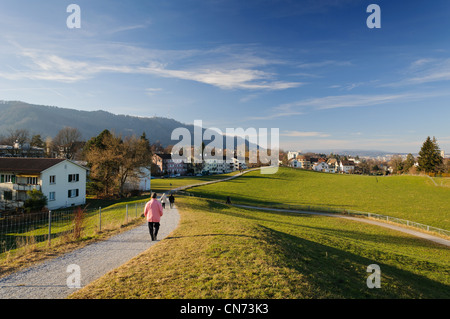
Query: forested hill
{"x": 48, "y": 120}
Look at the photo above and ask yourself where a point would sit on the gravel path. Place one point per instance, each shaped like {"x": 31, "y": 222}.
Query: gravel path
{"x": 49, "y": 280}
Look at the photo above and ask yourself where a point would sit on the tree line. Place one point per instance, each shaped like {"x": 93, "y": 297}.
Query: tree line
{"x": 429, "y": 161}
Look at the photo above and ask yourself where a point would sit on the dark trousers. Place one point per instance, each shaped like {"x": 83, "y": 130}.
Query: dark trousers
{"x": 153, "y": 229}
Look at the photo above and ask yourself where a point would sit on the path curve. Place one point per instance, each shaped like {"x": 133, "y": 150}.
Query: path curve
{"x": 409, "y": 231}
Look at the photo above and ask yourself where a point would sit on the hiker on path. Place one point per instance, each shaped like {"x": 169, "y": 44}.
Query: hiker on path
{"x": 153, "y": 211}
{"x": 171, "y": 200}
{"x": 163, "y": 200}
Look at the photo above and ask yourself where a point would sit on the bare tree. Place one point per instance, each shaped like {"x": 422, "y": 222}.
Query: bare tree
{"x": 67, "y": 142}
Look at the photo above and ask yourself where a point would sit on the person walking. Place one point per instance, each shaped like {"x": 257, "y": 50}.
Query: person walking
{"x": 163, "y": 200}
{"x": 153, "y": 211}
{"x": 171, "y": 200}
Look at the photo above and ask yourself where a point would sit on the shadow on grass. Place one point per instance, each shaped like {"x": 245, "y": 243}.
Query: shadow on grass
{"x": 339, "y": 269}
{"x": 212, "y": 235}
{"x": 245, "y": 200}
{"x": 341, "y": 274}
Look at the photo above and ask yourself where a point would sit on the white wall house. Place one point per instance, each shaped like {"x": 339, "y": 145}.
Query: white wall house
{"x": 321, "y": 167}
{"x": 140, "y": 182}
{"x": 63, "y": 182}
{"x": 346, "y": 167}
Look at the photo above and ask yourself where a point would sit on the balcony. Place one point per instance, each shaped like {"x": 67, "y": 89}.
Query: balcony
{"x": 26, "y": 187}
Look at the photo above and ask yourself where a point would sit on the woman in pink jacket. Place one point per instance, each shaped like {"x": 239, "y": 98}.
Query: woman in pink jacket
{"x": 153, "y": 211}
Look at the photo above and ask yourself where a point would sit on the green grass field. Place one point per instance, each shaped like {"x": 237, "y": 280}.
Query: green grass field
{"x": 166, "y": 184}
{"x": 413, "y": 198}
{"x": 219, "y": 251}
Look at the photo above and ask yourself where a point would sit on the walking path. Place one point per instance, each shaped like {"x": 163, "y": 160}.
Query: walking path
{"x": 49, "y": 280}
{"x": 419, "y": 234}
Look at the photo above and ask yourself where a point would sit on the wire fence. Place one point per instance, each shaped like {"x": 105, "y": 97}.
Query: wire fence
{"x": 336, "y": 210}
{"x": 22, "y": 229}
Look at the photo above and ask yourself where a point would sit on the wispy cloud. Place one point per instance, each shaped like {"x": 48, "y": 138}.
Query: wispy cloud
{"x": 349, "y": 100}
{"x": 275, "y": 115}
{"x": 321, "y": 64}
{"x": 227, "y": 72}
{"x": 223, "y": 78}
{"x": 304, "y": 134}
{"x": 424, "y": 70}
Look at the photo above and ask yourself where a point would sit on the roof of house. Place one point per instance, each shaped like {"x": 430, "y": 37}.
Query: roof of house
{"x": 27, "y": 165}
{"x": 164, "y": 156}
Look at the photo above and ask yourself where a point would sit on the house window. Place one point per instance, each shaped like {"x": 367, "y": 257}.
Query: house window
{"x": 51, "y": 196}
{"x": 7, "y": 178}
{"x": 32, "y": 180}
{"x": 7, "y": 195}
{"x": 52, "y": 179}
{"x": 72, "y": 193}
{"x": 74, "y": 178}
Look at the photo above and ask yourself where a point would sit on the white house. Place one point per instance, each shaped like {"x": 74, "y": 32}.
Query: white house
{"x": 347, "y": 167}
{"x": 140, "y": 182}
{"x": 63, "y": 182}
{"x": 321, "y": 167}
{"x": 292, "y": 154}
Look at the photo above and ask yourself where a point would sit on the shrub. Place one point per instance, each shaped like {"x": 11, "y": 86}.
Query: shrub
{"x": 36, "y": 201}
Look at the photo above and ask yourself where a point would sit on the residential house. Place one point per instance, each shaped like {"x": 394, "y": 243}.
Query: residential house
{"x": 291, "y": 154}
{"x": 347, "y": 167}
{"x": 321, "y": 166}
{"x": 304, "y": 161}
{"x": 333, "y": 165}
{"x": 63, "y": 182}
{"x": 166, "y": 165}
{"x": 139, "y": 182}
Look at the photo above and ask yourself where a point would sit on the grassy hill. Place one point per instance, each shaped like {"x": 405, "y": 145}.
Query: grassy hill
{"x": 221, "y": 252}
{"x": 414, "y": 198}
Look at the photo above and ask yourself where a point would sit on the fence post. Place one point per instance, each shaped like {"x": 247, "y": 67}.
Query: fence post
{"x": 99, "y": 218}
{"x": 49, "y": 227}
{"x": 127, "y": 212}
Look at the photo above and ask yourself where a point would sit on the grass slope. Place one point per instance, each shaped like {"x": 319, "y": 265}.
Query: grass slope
{"x": 224, "y": 252}
{"x": 414, "y": 198}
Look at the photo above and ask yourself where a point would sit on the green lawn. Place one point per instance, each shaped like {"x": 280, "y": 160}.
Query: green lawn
{"x": 166, "y": 184}
{"x": 413, "y": 198}
{"x": 222, "y": 252}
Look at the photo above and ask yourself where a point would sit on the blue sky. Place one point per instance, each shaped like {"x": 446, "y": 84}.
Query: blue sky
{"x": 313, "y": 69}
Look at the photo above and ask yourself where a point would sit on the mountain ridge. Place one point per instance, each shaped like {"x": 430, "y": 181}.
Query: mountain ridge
{"x": 48, "y": 120}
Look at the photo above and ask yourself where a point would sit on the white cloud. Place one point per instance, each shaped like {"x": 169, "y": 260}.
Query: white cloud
{"x": 223, "y": 78}
{"x": 225, "y": 69}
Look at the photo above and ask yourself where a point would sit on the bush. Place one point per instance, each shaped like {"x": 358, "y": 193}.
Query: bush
{"x": 36, "y": 201}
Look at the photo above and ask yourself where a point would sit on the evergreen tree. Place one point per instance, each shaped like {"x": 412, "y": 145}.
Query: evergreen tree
{"x": 430, "y": 159}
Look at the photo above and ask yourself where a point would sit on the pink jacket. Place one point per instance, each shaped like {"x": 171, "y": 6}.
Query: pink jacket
{"x": 153, "y": 211}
